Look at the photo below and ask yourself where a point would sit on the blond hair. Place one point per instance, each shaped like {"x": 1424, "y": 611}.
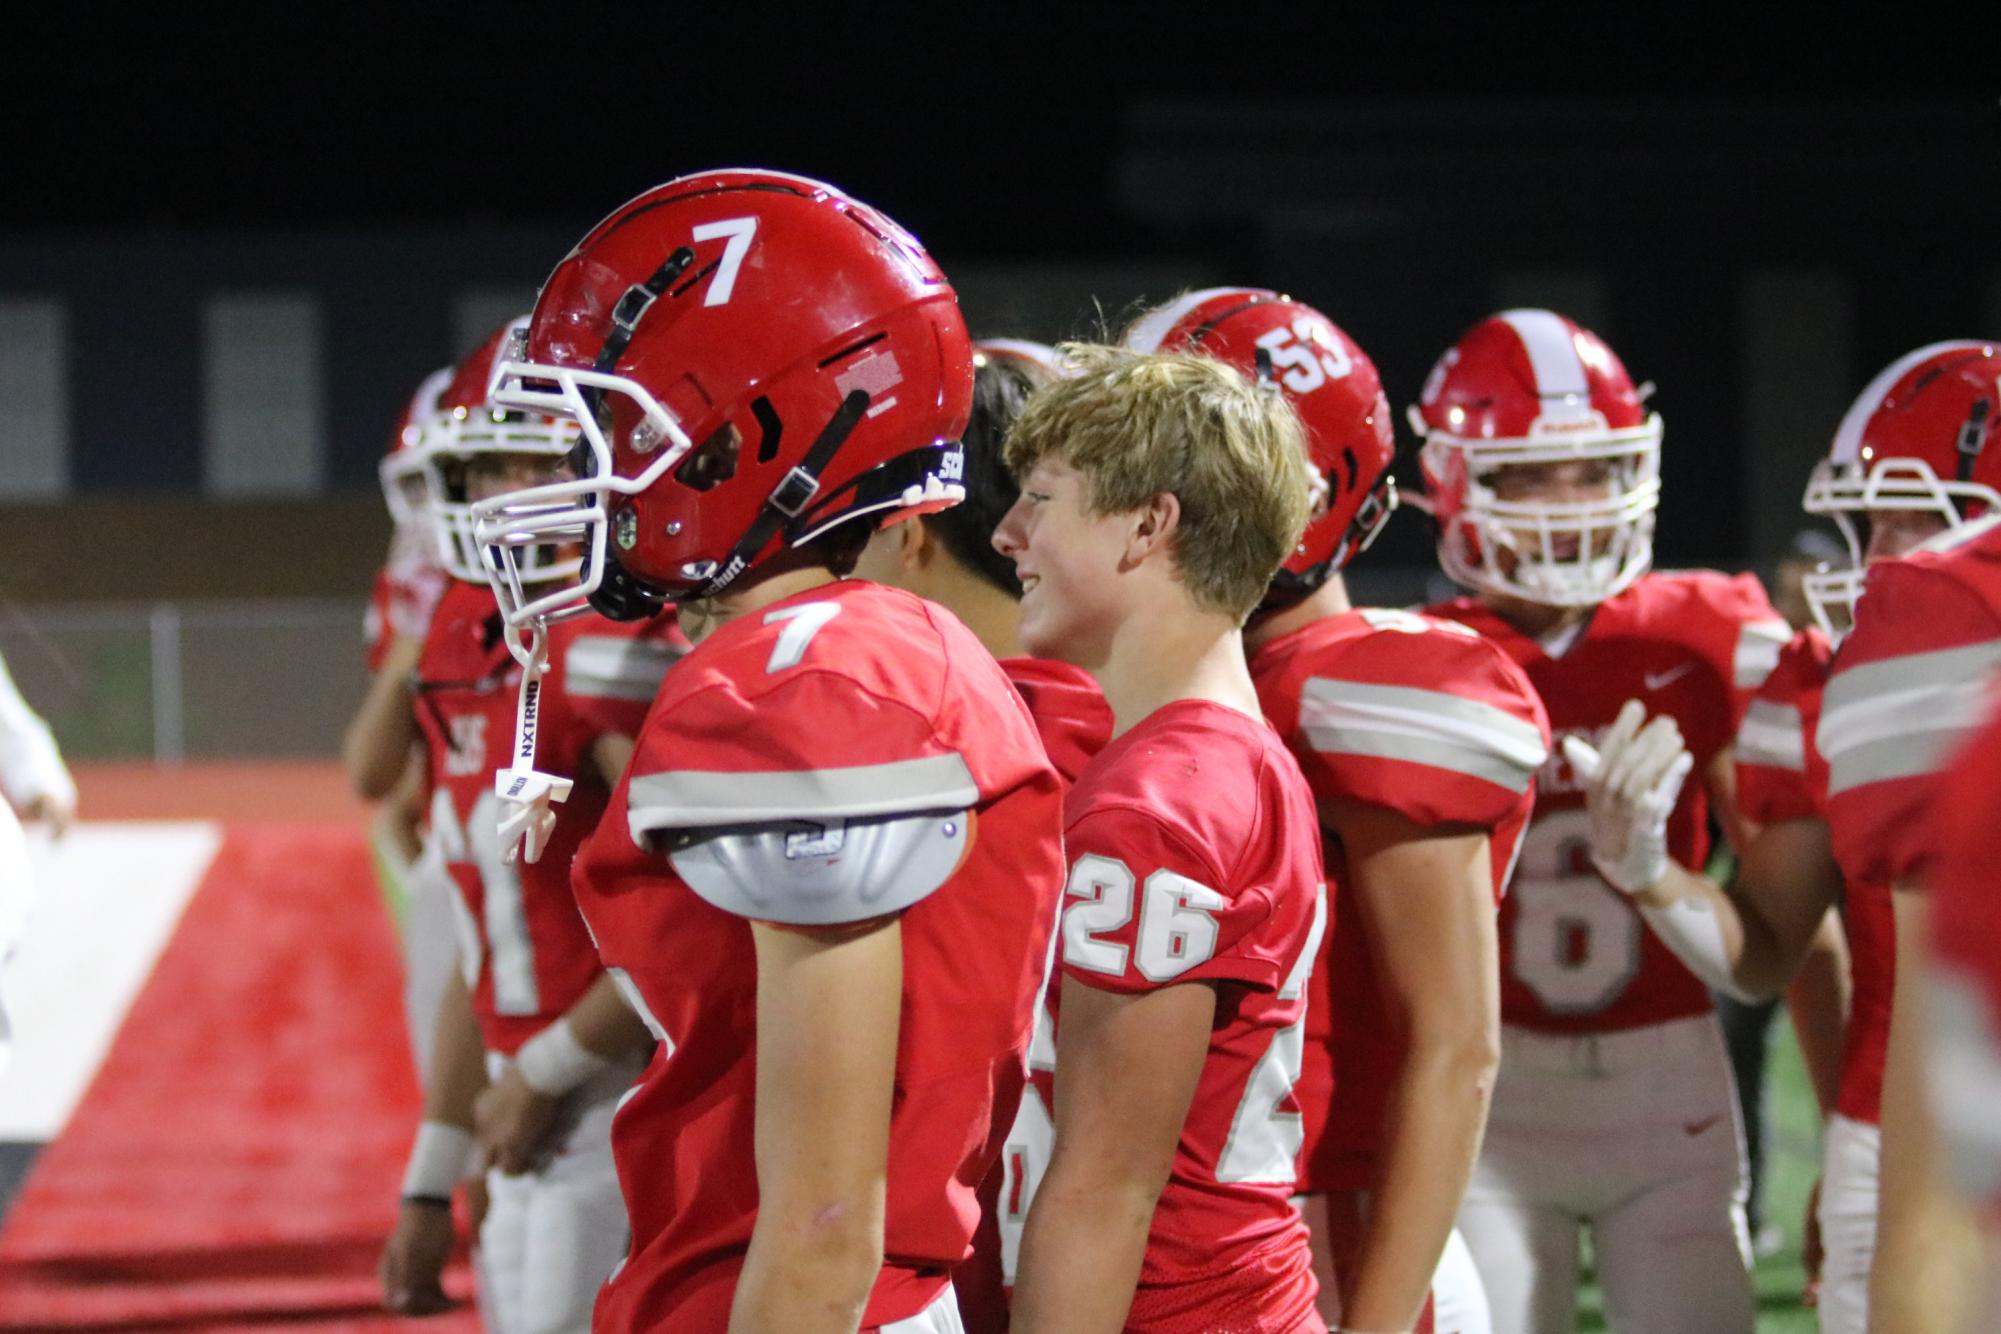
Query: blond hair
{"x": 1137, "y": 424}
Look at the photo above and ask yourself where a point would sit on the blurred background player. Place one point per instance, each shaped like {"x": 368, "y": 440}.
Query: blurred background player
{"x": 1614, "y": 1108}
{"x": 829, "y": 877}
{"x": 1909, "y": 685}
{"x": 1159, "y": 494}
{"x": 37, "y": 787}
{"x": 1421, "y": 742}
{"x": 406, "y": 591}
{"x": 1891, "y": 480}
{"x": 948, "y": 556}
{"x": 534, "y": 1045}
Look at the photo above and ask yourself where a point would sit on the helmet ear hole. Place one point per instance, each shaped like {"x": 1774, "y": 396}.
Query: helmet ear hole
{"x": 712, "y": 462}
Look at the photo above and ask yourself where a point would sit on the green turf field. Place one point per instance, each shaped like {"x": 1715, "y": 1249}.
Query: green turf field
{"x": 1792, "y": 1161}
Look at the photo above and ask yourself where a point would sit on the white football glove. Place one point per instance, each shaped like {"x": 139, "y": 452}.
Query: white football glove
{"x": 1632, "y": 780}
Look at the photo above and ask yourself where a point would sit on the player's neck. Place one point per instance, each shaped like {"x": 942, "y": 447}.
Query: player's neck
{"x": 992, "y": 616}
{"x": 1173, "y": 655}
{"x": 1330, "y": 599}
{"x": 1535, "y": 620}
{"x": 701, "y": 619}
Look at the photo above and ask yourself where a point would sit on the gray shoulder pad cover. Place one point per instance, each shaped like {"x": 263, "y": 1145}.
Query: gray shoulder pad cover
{"x": 813, "y": 874}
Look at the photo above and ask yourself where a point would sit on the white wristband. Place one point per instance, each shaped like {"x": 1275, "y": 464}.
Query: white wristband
{"x": 440, "y": 1159}
{"x": 553, "y": 1062}
{"x": 1693, "y": 935}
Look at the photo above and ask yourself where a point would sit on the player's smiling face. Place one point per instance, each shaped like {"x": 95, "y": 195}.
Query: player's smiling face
{"x": 1069, "y": 561}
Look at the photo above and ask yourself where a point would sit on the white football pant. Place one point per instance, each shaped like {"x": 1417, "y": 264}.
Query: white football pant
{"x": 940, "y": 1317}
{"x": 430, "y": 942}
{"x": 553, "y": 1236}
{"x": 1634, "y": 1135}
{"x": 1851, "y": 1163}
{"x": 1458, "y": 1297}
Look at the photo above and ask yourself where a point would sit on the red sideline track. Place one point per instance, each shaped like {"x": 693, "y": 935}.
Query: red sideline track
{"x": 235, "y": 1163}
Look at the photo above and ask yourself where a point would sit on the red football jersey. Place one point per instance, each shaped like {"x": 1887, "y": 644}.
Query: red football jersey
{"x": 1781, "y": 776}
{"x": 1964, "y": 1008}
{"x": 799, "y": 723}
{"x": 1423, "y": 717}
{"x": 1075, "y": 724}
{"x": 521, "y": 940}
{"x": 1575, "y": 955}
{"x": 1070, "y": 711}
{"x": 1195, "y": 856}
{"x": 1907, "y": 687}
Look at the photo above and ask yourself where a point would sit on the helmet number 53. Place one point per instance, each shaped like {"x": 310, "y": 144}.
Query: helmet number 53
{"x": 739, "y": 231}
{"x": 1311, "y": 362}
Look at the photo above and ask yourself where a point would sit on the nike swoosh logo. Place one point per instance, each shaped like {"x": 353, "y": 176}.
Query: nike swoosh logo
{"x": 1694, "y": 1128}
{"x": 1655, "y": 680}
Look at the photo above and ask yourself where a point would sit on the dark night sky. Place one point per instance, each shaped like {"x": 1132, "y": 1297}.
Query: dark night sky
{"x": 993, "y": 131}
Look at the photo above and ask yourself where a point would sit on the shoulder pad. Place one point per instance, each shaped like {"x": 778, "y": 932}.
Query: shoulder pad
{"x": 809, "y": 874}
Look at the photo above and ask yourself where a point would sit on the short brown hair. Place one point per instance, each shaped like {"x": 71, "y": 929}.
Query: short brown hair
{"x": 1137, "y": 424}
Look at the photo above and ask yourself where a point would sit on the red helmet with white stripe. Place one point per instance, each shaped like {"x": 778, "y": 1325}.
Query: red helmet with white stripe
{"x": 1923, "y": 436}
{"x": 753, "y": 358}
{"x": 462, "y": 425}
{"x": 1529, "y": 389}
{"x": 1337, "y": 393}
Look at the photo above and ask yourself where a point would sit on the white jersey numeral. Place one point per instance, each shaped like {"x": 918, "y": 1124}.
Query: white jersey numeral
{"x": 503, "y": 925}
{"x": 1176, "y": 930}
{"x": 1101, "y": 894}
{"x": 1574, "y": 944}
{"x": 802, "y": 622}
{"x": 1030, "y": 1141}
{"x": 1265, "y": 1139}
{"x": 739, "y": 231}
{"x": 1177, "y": 926}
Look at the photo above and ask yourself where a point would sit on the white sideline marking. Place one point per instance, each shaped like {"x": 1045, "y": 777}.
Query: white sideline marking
{"x": 107, "y": 898}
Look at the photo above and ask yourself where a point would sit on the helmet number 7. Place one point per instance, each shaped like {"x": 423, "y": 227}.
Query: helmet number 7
{"x": 739, "y": 231}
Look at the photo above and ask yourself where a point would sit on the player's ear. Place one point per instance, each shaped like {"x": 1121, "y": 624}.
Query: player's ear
{"x": 916, "y": 545}
{"x": 1153, "y": 526}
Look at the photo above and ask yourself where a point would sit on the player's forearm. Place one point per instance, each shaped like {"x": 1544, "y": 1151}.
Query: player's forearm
{"x": 810, "y": 1269}
{"x": 1927, "y": 1241}
{"x": 1818, "y": 1000}
{"x": 605, "y": 1025}
{"x": 458, "y": 1058}
{"x": 1435, "y": 1119}
{"x": 1704, "y": 928}
{"x": 1081, "y": 1252}
{"x": 376, "y": 745}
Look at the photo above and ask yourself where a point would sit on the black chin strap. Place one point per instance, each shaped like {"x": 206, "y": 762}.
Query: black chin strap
{"x": 1973, "y": 436}
{"x": 632, "y": 307}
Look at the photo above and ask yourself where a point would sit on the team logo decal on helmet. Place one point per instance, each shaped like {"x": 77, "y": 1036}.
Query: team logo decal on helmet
{"x": 1527, "y": 388}
{"x": 1337, "y": 393}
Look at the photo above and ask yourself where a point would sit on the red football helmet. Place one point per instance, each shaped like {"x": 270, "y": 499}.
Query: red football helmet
{"x": 753, "y": 358}
{"x": 1925, "y": 435}
{"x": 1333, "y": 386}
{"x": 1528, "y": 387}
{"x": 460, "y": 425}
{"x": 402, "y": 468}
